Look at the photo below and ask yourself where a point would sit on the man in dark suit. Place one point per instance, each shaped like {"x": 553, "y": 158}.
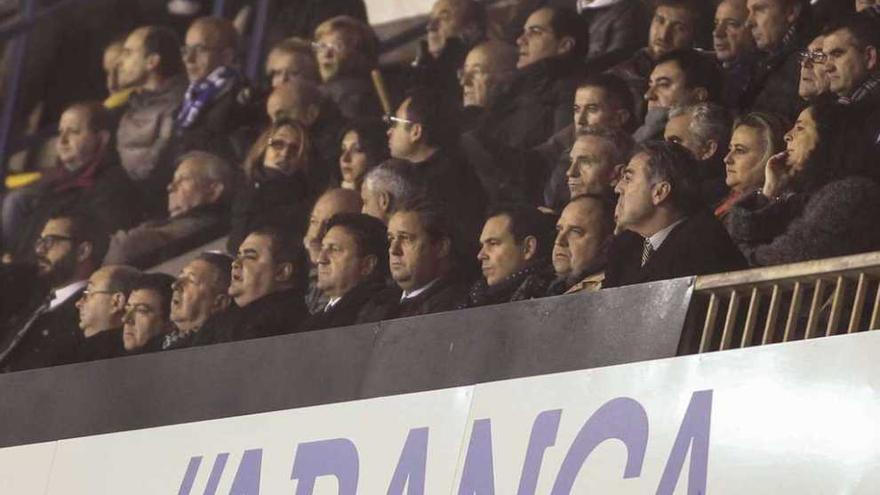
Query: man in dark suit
{"x": 68, "y": 250}
{"x": 422, "y": 264}
{"x": 668, "y": 232}
{"x": 352, "y": 267}
{"x": 101, "y": 309}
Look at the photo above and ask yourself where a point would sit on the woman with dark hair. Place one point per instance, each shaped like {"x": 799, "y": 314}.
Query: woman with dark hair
{"x": 820, "y": 197}
{"x": 281, "y": 181}
{"x": 756, "y": 137}
{"x": 363, "y": 145}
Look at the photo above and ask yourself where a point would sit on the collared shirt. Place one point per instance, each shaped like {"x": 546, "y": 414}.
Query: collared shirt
{"x": 659, "y": 237}
{"x": 589, "y": 284}
{"x": 409, "y": 295}
{"x": 332, "y": 302}
{"x": 583, "y": 5}
{"x": 65, "y": 293}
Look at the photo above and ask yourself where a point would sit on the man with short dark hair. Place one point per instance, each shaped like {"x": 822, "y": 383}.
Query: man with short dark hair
{"x": 386, "y": 187}
{"x": 516, "y": 244}
{"x": 423, "y": 265}
{"x": 150, "y": 64}
{"x": 146, "y": 324}
{"x": 704, "y": 129}
{"x": 101, "y": 310}
{"x": 268, "y": 284}
{"x": 45, "y": 333}
{"x": 734, "y": 49}
{"x": 352, "y": 267}
{"x": 852, "y": 51}
{"x": 583, "y": 235}
{"x": 667, "y": 230}
{"x": 197, "y": 213}
{"x": 199, "y": 294}
{"x": 780, "y": 29}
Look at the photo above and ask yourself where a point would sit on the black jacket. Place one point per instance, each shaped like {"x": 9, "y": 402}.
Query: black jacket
{"x": 616, "y": 32}
{"x": 347, "y": 310}
{"x": 103, "y": 345}
{"x": 354, "y": 96}
{"x": 774, "y": 81}
{"x": 446, "y": 294}
{"x": 531, "y": 282}
{"x": 697, "y": 246}
{"x": 275, "y": 314}
{"x": 636, "y": 71}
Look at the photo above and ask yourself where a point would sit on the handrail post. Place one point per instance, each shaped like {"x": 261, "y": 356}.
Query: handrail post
{"x": 13, "y": 82}
{"x": 257, "y": 35}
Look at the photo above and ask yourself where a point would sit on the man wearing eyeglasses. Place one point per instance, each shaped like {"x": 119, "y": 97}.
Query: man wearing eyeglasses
{"x": 101, "y": 309}
{"x": 45, "y": 333}
{"x": 814, "y": 80}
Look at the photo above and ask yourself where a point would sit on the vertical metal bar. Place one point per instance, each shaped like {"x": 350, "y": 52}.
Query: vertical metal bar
{"x": 219, "y": 8}
{"x": 709, "y": 324}
{"x": 730, "y": 320}
{"x": 255, "y": 52}
{"x": 858, "y": 303}
{"x": 18, "y": 51}
{"x": 836, "y": 307}
{"x": 875, "y": 314}
{"x": 793, "y": 310}
{"x": 751, "y": 317}
{"x": 772, "y": 316}
{"x": 813, "y": 317}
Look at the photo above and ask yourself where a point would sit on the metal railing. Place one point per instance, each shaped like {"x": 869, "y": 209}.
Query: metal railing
{"x": 788, "y": 302}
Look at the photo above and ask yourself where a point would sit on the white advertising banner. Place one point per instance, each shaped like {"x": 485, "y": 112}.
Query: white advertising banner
{"x": 384, "y": 11}
{"x": 798, "y": 418}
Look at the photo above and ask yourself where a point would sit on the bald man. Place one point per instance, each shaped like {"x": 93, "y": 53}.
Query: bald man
{"x": 101, "y": 309}
{"x": 488, "y": 67}
{"x": 332, "y": 202}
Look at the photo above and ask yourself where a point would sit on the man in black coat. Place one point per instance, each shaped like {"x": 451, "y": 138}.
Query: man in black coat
{"x": 101, "y": 310}
{"x": 352, "y": 267}
{"x": 268, "y": 284}
{"x": 200, "y": 292}
{"x": 668, "y": 231}
{"x": 45, "y": 331}
{"x": 422, "y": 263}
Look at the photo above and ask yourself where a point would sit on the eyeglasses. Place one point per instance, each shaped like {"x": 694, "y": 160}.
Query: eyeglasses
{"x": 812, "y": 57}
{"x": 322, "y": 46}
{"x": 197, "y": 50}
{"x": 392, "y": 121}
{"x": 49, "y": 241}
{"x": 90, "y": 292}
{"x": 279, "y": 145}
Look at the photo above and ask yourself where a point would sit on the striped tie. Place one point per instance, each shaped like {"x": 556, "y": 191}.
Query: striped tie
{"x": 646, "y": 252}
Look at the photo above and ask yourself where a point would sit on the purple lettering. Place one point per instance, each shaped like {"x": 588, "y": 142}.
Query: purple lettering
{"x": 694, "y": 431}
{"x": 622, "y": 418}
{"x": 478, "y": 475}
{"x": 543, "y": 436}
{"x": 337, "y": 457}
{"x": 216, "y": 473}
{"x": 189, "y": 478}
{"x": 247, "y": 478}
{"x": 410, "y": 470}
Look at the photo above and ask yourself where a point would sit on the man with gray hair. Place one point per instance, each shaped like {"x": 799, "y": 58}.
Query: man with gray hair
{"x": 386, "y": 187}
{"x": 597, "y": 156}
{"x": 704, "y": 129}
{"x": 197, "y": 213}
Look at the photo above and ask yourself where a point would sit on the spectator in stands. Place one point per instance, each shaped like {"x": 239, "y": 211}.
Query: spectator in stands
{"x": 146, "y": 323}
{"x": 423, "y": 133}
{"x": 45, "y": 333}
{"x": 583, "y": 234}
{"x": 332, "y": 202}
{"x": 363, "y": 147}
{"x": 300, "y": 17}
{"x": 819, "y": 196}
{"x": 813, "y": 83}
{"x": 302, "y": 101}
{"x": 118, "y": 94}
{"x": 291, "y": 59}
{"x": 734, "y": 48}
{"x": 861, "y": 5}
{"x": 101, "y": 309}
{"x": 347, "y": 50}
{"x": 756, "y": 137}
{"x": 780, "y": 29}
{"x": 352, "y": 267}
{"x": 516, "y": 241}
{"x": 617, "y": 29}
{"x": 281, "y": 181}
{"x": 597, "y": 157}
{"x": 198, "y": 209}
{"x": 199, "y": 293}
{"x": 667, "y": 233}
{"x": 680, "y": 78}
{"x": 423, "y": 265}
{"x": 388, "y": 186}
{"x": 460, "y": 21}
{"x": 218, "y": 100}
{"x": 268, "y": 284}
{"x": 86, "y": 176}
{"x": 704, "y": 129}
{"x": 537, "y": 102}
{"x": 674, "y": 26}
{"x": 151, "y": 65}
{"x": 487, "y": 70}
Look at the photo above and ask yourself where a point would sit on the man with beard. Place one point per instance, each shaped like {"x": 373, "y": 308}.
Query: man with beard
{"x": 68, "y": 250}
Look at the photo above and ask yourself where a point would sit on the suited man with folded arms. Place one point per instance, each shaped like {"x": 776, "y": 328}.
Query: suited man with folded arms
{"x": 667, "y": 232}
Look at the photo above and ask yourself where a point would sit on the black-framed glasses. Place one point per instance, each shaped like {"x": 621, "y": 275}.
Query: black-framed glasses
{"x": 49, "y": 241}
{"x": 812, "y": 57}
{"x": 392, "y": 121}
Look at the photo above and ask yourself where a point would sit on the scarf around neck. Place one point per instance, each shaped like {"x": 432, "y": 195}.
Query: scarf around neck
{"x": 200, "y": 95}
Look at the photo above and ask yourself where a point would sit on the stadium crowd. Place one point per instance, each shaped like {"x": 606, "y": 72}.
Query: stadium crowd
{"x": 589, "y": 144}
